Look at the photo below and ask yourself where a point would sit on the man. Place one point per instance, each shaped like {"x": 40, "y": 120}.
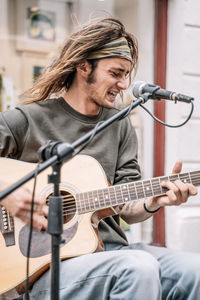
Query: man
{"x": 91, "y": 70}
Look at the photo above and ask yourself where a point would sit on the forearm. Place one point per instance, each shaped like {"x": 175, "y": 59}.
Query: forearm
{"x": 134, "y": 212}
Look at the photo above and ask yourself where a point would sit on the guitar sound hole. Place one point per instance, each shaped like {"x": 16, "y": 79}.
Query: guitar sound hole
{"x": 69, "y": 205}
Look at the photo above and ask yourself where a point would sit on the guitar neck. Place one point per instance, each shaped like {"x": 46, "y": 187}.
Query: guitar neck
{"x": 134, "y": 191}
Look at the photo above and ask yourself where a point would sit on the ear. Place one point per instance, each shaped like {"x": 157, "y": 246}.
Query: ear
{"x": 84, "y": 69}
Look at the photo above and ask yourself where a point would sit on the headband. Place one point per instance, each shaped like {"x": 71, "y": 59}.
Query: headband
{"x": 116, "y": 48}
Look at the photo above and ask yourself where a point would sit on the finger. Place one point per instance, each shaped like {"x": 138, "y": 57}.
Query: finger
{"x": 177, "y": 167}
{"x": 183, "y": 190}
{"x": 45, "y": 210}
{"x": 174, "y": 199}
{"x": 39, "y": 223}
{"x": 192, "y": 189}
{"x": 170, "y": 186}
{"x": 173, "y": 194}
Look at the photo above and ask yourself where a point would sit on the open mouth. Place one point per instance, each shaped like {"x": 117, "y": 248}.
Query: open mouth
{"x": 112, "y": 94}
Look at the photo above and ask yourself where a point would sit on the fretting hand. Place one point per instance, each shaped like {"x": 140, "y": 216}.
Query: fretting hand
{"x": 178, "y": 191}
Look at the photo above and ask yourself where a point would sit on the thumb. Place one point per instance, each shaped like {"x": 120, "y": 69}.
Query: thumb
{"x": 177, "y": 167}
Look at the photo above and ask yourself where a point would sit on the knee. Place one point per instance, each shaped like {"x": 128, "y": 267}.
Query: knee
{"x": 142, "y": 264}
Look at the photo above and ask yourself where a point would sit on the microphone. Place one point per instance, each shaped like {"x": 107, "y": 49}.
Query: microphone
{"x": 140, "y": 87}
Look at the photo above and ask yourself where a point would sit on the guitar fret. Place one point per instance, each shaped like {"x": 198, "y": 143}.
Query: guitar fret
{"x": 106, "y": 197}
{"x": 120, "y": 187}
{"x": 162, "y": 179}
{"x": 115, "y": 194}
{"x": 85, "y": 198}
{"x": 81, "y": 202}
{"x": 152, "y": 188}
{"x": 77, "y": 199}
{"x": 132, "y": 191}
{"x": 113, "y": 199}
{"x": 148, "y": 188}
{"x": 100, "y": 197}
{"x": 103, "y": 198}
{"x": 143, "y": 189}
{"x": 125, "y": 193}
{"x": 139, "y": 189}
{"x": 95, "y": 199}
{"x": 86, "y": 203}
{"x": 118, "y": 194}
{"x": 136, "y": 191}
{"x": 190, "y": 179}
{"x": 128, "y": 189}
{"x": 160, "y": 186}
{"x": 156, "y": 186}
{"x": 91, "y": 201}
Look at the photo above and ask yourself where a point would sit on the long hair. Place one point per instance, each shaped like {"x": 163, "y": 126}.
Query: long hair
{"x": 59, "y": 75}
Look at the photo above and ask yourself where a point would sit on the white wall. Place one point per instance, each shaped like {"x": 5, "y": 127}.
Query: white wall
{"x": 183, "y": 75}
{"x": 89, "y": 9}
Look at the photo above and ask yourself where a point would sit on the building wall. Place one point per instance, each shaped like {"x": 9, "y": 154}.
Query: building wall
{"x": 183, "y": 75}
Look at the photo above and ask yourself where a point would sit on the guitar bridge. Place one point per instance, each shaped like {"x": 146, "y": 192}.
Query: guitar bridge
{"x": 7, "y": 227}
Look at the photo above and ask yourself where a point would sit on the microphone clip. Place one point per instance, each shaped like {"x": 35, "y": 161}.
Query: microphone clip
{"x": 148, "y": 95}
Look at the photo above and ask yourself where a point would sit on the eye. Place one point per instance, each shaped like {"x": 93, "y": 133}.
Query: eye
{"x": 115, "y": 74}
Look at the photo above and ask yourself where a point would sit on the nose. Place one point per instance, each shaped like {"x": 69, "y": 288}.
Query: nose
{"x": 122, "y": 83}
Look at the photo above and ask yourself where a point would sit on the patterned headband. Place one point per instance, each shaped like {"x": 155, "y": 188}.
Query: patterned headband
{"x": 116, "y": 48}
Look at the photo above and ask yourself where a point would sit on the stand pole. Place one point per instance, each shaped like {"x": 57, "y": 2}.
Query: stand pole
{"x": 55, "y": 229}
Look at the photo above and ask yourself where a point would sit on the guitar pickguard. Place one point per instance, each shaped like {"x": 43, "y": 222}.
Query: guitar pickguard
{"x": 41, "y": 241}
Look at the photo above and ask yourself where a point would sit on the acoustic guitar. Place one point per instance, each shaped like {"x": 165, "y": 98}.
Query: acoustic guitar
{"x": 87, "y": 199}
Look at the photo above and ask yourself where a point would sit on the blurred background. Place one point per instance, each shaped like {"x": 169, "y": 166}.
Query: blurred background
{"x": 168, "y": 34}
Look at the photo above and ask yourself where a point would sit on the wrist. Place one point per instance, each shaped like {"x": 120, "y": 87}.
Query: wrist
{"x": 150, "y": 206}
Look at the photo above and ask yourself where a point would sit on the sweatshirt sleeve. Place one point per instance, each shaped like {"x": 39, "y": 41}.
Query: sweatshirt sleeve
{"x": 13, "y": 130}
{"x": 128, "y": 168}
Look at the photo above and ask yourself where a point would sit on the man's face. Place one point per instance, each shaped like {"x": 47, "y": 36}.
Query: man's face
{"x": 108, "y": 79}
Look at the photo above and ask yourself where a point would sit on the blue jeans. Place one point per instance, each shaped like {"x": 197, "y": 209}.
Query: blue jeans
{"x": 135, "y": 272}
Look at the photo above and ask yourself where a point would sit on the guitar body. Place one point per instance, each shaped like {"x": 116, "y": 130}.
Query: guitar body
{"x": 80, "y": 231}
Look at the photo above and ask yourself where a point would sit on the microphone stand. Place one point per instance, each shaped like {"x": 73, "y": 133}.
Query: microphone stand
{"x": 54, "y": 154}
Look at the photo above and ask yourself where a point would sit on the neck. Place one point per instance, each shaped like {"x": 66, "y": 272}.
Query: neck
{"x": 78, "y": 100}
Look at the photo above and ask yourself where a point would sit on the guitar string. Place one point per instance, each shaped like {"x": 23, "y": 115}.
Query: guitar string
{"x": 138, "y": 186}
{"x": 73, "y": 209}
{"x": 140, "y": 190}
{"x": 99, "y": 202}
{"x": 110, "y": 190}
{"x": 195, "y": 179}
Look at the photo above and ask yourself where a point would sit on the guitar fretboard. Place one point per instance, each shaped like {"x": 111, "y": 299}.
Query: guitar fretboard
{"x": 134, "y": 191}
